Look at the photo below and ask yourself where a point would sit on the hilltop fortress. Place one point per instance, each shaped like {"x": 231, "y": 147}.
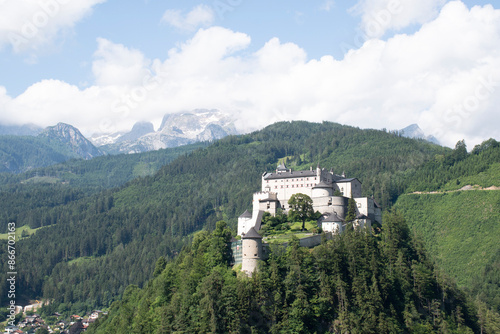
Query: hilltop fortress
{"x": 329, "y": 192}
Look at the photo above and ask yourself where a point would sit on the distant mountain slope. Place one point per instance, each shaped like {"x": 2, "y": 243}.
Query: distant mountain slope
{"x": 20, "y": 130}
{"x": 138, "y": 130}
{"x": 22, "y": 153}
{"x": 414, "y": 131}
{"x": 175, "y": 130}
{"x": 70, "y": 138}
{"x": 119, "y": 234}
{"x": 53, "y": 145}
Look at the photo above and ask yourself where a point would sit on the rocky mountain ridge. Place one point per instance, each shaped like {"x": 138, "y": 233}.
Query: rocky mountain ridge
{"x": 175, "y": 130}
{"x": 415, "y": 132}
{"x": 71, "y": 138}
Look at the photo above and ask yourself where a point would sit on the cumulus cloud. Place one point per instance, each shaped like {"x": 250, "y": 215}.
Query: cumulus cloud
{"x": 28, "y": 25}
{"x": 378, "y": 16}
{"x": 201, "y": 15}
{"x": 115, "y": 64}
{"x": 445, "y": 77}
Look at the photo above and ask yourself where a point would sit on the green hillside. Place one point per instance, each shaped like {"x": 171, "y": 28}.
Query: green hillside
{"x": 101, "y": 172}
{"x": 22, "y": 153}
{"x": 461, "y": 228}
{"x": 126, "y": 229}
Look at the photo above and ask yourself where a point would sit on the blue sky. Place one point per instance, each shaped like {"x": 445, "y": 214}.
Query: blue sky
{"x": 103, "y": 65}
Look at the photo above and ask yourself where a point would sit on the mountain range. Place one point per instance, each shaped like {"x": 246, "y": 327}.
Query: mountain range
{"x": 27, "y": 147}
{"x": 175, "y": 130}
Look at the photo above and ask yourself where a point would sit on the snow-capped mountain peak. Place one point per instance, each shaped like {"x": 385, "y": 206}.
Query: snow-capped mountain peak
{"x": 175, "y": 130}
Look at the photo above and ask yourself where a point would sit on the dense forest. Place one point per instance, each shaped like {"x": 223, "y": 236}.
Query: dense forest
{"x": 93, "y": 241}
{"x": 355, "y": 283}
{"x": 28, "y": 198}
{"x": 91, "y": 248}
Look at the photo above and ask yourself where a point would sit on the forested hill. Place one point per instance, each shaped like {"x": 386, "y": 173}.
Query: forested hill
{"x": 22, "y": 153}
{"x": 355, "y": 283}
{"x": 28, "y": 198}
{"x": 90, "y": 249}
{"x": 453, "y": 203}
{"x": 53, "y": 145}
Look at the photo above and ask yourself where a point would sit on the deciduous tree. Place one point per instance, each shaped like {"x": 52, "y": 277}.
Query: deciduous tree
{"x": 301, "y": 208}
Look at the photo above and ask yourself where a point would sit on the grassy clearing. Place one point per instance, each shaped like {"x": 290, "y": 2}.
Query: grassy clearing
{"x": 42, "y": 179}
{"x": 21, "y": 232}
{"x": 286, "y": 235}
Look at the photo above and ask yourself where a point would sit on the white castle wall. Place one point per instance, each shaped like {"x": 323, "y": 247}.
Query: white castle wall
{"x": 244, "y": 224}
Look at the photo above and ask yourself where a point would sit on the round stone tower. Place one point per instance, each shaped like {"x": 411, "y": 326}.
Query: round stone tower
{"x": 339, "y": 205}
{"x": 322, "y": 189}
{"x": 251, "y": 244}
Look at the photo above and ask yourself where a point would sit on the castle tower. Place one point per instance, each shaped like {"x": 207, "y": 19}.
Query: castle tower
{"x": 251, "y": 251}
{"x": 244, "y": 222}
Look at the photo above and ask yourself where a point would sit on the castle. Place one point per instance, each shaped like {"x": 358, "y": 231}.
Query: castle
{"x": 329, "y": 192}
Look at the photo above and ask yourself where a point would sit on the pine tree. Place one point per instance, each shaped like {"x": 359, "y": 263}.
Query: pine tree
{"x": 351, "y": 210}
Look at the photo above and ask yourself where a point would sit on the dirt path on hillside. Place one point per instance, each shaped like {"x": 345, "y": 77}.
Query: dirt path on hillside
{"x": 464, "y": 188}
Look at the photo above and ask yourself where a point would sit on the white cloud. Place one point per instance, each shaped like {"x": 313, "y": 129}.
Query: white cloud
{"x": 201, "y": 15}
{"x": 117, "y": 65}
{"x": 378, "y": 16}
{"x": 445, "y": 77}
{"x": 28, "y": 25}
{"x": 328, "y": 5}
